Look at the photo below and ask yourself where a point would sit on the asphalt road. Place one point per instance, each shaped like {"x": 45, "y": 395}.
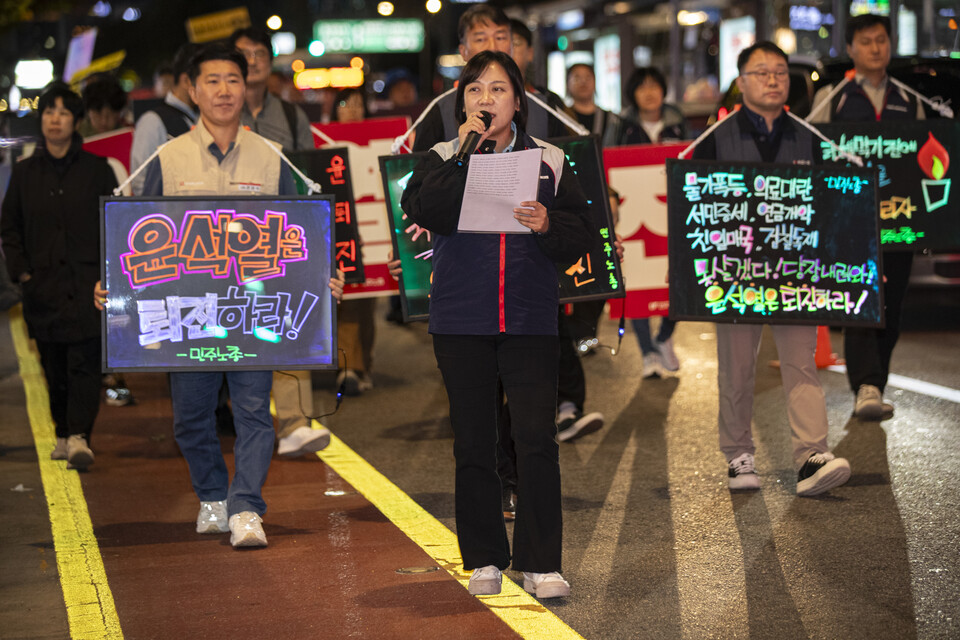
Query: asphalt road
{"x": 655, "y": 546}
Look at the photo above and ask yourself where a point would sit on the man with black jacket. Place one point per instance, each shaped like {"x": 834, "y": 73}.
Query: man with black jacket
{"x": 870, "y": 96}
{"x": 761, "y": 131}
{"x": 50, "y": 227}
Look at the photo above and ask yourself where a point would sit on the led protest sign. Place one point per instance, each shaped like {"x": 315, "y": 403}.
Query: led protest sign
{"x": 594, "y": 275}
{"x": 218, "y": 283}
{"x": 918, "y": 206}
{"x": 773, "y": 244}
{"x": 370, "y": 36}
{"x": 330, "y": 168}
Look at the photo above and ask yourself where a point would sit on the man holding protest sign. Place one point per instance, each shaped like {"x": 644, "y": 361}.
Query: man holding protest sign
{"x": 761, "y": 131}
{"x": 219, "y": 157}
{"x": 872, "y": 95}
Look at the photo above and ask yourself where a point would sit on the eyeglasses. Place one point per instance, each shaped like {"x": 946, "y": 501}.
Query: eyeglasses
{"x": 255, "y": 54}
{"x": 764, "y": 76}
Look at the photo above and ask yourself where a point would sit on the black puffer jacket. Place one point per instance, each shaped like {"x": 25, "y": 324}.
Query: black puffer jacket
{"x": 50, "y": 228}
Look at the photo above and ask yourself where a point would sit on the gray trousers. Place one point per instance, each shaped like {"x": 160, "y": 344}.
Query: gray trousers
{"x": 737, "y": 348}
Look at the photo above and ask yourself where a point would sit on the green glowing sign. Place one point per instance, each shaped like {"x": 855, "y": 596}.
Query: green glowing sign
{"x": 230, "y": 353}
{"x": 370, "y": 36}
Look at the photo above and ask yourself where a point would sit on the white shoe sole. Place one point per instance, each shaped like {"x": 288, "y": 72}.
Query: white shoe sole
{"x": 249, "y": 539}
{"x": 832, "y": 474}
{"x": 549, "y": 590}
{"x": 212, "y": 527}
{"x": 484, "y": 587}
{"x": 318, "y": 442}
{"x": 587, "y": 424}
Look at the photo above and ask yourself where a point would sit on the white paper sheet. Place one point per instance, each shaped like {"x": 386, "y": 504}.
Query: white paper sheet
{"x": 496, "y": 184}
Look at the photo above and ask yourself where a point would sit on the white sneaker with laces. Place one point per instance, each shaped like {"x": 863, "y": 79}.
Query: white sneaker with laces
{"x": 546, "y": 585}
{"x": 579, "y": 425}
{"x": 820, "y": 473}
{"x": 742, "y": 474}
{"x": 667, "y": 355}
{"x": 485, "y": 581}
{"x": 302, "y": 441}
{"x": 246, "y": 530}
{"x": 212, "y": 517}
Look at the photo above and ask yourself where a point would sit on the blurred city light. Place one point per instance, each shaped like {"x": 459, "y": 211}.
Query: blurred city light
{"x": 101, "y": 10}
{"x": 385, "y": 8}
{"x": 316, "y": 48}
{"x": 131, "y": 14}
{"x": 34, "y": 74}
{"x": 433, "y": 6}
{"x": 274, "y": 22}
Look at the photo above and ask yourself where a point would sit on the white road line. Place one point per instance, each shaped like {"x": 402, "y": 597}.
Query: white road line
{"x": 912, "y": 384}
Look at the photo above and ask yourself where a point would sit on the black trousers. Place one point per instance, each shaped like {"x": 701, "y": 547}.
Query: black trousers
{"x": 572, "y": 383}
{"x": 72, "y": 370}
{"x": 527, "y": 368}
{"x": 868, "y": 351}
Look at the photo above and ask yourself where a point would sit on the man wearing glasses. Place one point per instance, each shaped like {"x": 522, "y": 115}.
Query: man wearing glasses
{"x": 761, "y": 131}
{"x": 273, "y": 118}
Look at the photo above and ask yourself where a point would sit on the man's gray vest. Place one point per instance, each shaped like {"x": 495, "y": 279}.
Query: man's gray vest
{"x": 537, "y": 118}
{"x": 734, "y": 144}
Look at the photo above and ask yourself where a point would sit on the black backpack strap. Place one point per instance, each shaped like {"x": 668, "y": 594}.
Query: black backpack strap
{"x": 290, "y": 110}
{"x": 174, "y": 120}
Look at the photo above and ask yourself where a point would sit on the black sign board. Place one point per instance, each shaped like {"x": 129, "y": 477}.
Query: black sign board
{"x": 918, "y": 207}
{"x": 218, "y": 283}
{"x": 596, "y": 275}
{"x": 330, "y": 168}
{"x": 769, "y": 243}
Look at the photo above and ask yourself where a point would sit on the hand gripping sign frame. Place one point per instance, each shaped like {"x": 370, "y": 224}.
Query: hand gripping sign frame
{"x": 774, "y": 243}
{"x": 215, "y": 283}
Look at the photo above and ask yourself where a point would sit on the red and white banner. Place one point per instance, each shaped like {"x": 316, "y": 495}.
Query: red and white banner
{"x": 366, "y": 141}
{"x": 639, "y": 176}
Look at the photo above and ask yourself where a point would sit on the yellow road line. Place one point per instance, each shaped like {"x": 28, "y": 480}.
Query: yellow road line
{"x": 518, "y": 609}
{"x": 90, "y": 608}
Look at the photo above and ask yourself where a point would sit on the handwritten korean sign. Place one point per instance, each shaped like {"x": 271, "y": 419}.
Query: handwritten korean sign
{"x": 236, "y": 283}
{"x": 771, "y": 243}
{"x": 917, "y": 163}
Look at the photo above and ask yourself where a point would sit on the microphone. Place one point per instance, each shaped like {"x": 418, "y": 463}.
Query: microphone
{"x": 472, "y": 139}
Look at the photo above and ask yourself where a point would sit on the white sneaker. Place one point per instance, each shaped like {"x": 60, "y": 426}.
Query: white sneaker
{"x": 652, "y": 365}
{"x": 485, "y": 581}
{"x": 546, "y": 585}
{"x": 302, "y": 441}
{"x": 79, "y": 455}
{"x": 212, "y": 517}
{"x": 579, "y": 425}
{"x": 667, "y": 355}
{"x": 246, "y": 531}
{"x": 820, "y": 473}
{"x": 742, "y": 474}
{"x": 60, "y": 451}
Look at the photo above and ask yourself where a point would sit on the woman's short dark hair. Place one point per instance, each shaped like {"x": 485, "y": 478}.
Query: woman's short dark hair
{"x": 71, "y": 101}
{"x": 637, "y": 78}
{"x": 475, "y": 68}
{"x": 216, "y": 51}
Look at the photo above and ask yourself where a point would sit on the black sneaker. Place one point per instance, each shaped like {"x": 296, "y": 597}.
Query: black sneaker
{"x": 579, "y": 425}
{"x": 509, "y": 506}
{"x": 822, "y": 472}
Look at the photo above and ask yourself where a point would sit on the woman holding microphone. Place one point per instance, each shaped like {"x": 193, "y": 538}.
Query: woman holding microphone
{"x": 493, "y": 316}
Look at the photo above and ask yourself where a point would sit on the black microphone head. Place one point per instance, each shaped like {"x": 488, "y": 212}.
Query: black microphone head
{"x": 487, "y": 118}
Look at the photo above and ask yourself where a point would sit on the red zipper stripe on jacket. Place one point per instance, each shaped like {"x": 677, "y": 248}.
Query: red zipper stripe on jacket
{"x": 503, "y": 261}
